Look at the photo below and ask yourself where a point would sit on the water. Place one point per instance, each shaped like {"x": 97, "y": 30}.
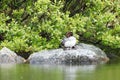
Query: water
{"x": 59, "y": 72}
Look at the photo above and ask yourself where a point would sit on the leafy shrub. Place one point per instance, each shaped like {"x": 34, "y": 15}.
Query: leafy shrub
{"x": 41, "y": 24}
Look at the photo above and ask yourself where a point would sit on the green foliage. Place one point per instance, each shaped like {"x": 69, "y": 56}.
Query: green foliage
{"x": 28, "y": 26}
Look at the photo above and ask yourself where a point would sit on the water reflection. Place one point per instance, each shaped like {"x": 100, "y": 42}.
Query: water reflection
{"x": 71, "y": 71}
{"x": 59, "y": 72}
{"x": 68, "y": 72}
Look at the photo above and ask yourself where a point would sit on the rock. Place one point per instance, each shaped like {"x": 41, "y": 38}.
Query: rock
{"x": 8, "y": 56}
{"x": 83, "y": 54}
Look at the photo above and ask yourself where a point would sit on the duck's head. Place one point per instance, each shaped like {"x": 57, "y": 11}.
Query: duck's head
{"x": 68, "y": 34}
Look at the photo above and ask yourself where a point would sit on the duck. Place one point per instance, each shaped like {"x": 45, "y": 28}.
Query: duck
{"x": 69, "y": 41}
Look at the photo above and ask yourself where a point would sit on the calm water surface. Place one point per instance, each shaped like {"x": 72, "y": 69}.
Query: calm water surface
{"x": 59, "y": 72}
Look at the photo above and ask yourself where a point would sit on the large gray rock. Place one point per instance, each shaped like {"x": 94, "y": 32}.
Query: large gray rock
{"x": 8, "y": 56}
{"x": 83, "y": 54}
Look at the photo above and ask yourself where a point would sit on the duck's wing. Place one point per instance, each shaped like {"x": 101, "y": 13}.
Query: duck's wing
{"x": 64, "y": 40}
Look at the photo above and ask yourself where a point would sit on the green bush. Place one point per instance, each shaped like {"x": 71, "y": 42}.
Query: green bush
{"x": 29, "y": 26}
